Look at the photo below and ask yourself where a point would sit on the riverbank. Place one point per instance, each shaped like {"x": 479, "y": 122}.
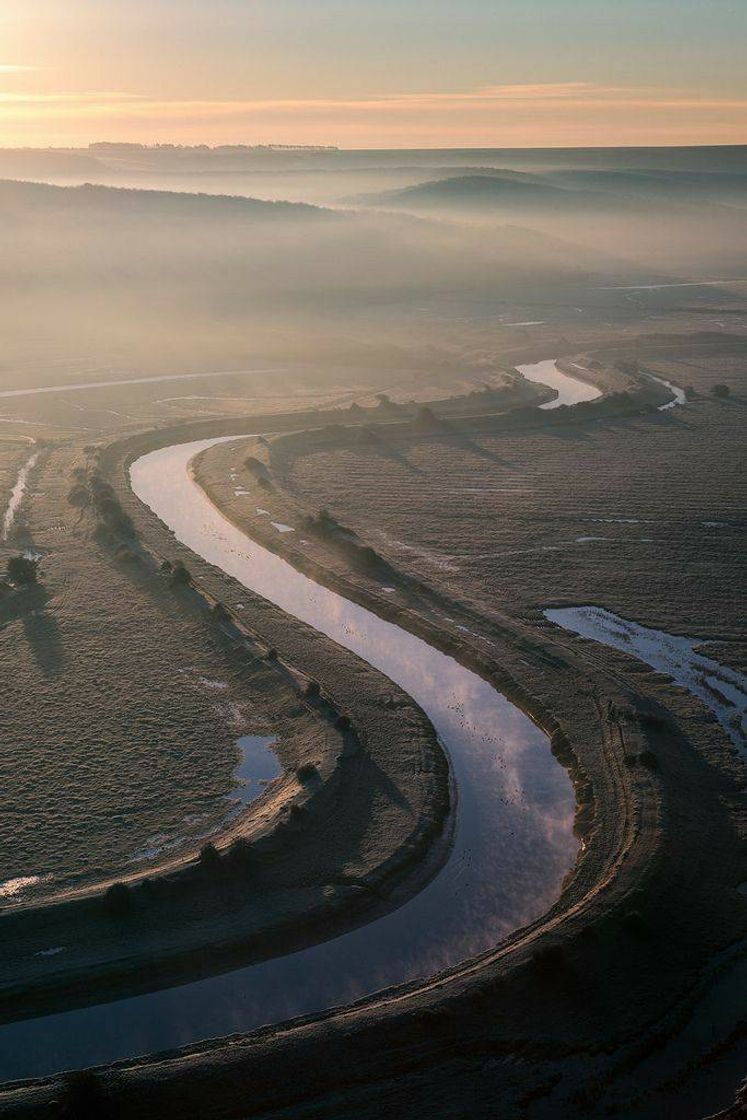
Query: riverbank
{"x": 328, "y": 849}
{"x": 690, "y": 754}
{"x": 641, "y": 960}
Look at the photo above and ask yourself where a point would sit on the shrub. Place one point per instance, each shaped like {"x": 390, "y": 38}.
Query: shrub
{"x": 342, "y": 723}
{"x": 241, "y": 853}
{"x": 649, "y": 760}
{"x": 720, "y": 391}
{"x": 690, "y": 392}
{"x": 209, "y": 857}
{"x": 634, "y": 923}
{"x": 84, "y": 1097}
{"x": 180, "y": 575}
{"x": 22, "y": 570}
{"x": 118, "y": 900}
{"x": 272, "y": 654}
{"x": 312, "y": 688}
{"x": 548, "y": 961}
{"x": 306, "y": 772}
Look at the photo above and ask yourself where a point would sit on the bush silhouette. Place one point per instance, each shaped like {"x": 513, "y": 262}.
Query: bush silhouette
{"x": 210, "y": 857}
{"x": 84, "y": 1098}
{"x": 720, "y": 391}
{"x": 548, "y": 961}
{"x": 241, "y": 853}
{"x": 22, "y": 571}
{"x": 180, "y": 575}
{"x": 118, "y": 900}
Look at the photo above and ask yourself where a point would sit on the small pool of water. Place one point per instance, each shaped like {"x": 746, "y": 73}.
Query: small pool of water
{"x": 721, "y": 689}
{"x": 257, "y": 767}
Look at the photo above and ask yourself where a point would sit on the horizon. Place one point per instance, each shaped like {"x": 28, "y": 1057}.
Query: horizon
{"x": 281, "y": 146}
{"x": 553, "y": 73}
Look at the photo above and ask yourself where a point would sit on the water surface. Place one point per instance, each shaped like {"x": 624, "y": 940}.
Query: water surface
{"x": 513, "y": 841}
{"x": 571, "y": 390}
{"x": 721, "y": 689}
{"x": 16, "y": 496}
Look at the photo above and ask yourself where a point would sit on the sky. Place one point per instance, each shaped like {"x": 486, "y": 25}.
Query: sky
{"x": 373, "y": 73}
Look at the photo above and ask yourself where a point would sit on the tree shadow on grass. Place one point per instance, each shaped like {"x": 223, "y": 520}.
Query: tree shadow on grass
{"x": 40, "y": 628}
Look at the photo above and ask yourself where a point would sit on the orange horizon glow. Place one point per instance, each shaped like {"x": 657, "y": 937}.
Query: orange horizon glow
{"x": 569, "y": 114}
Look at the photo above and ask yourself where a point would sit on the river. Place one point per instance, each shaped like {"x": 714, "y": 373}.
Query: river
{"x": 571, "y": 390}
{"x": 513, "y": 840}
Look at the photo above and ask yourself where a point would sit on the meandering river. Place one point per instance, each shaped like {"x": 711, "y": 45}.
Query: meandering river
{"x": 513, "y": 840}
{"x": 571, "y": 390}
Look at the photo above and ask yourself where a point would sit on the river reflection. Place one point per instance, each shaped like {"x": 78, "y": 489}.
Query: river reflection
{"x": 513, "y": 839}
{"x": 571, "y": 390}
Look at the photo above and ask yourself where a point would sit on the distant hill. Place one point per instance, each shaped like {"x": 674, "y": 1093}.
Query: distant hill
{"x": 91, "y": 202}
{"x": 729, "y": 187}
{"x": 232, "y": 252}
{"x": 490, "y": 189}
{"x": 566, "y": 190}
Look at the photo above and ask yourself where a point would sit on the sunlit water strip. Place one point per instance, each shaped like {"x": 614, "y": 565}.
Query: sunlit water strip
{"x": 721, "y": 689}
{"x": 571, "y": 390}
{"x": 16, "y": 496}
{"x": 513, "y": 841}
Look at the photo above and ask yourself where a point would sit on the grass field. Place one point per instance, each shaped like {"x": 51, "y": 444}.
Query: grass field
{"x": 644, "y": 516}
{"x": 121, "y": 712}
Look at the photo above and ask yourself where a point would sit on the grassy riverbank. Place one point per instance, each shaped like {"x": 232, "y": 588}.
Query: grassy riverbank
{"x": 373, "y": 807}
{"x": 565, "y": 1015}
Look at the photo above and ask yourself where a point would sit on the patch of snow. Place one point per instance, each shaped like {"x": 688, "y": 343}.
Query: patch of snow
{"x": 281, "y": 528}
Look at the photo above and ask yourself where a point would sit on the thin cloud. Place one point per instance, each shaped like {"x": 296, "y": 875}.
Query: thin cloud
{"x": 495, "y": 115}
